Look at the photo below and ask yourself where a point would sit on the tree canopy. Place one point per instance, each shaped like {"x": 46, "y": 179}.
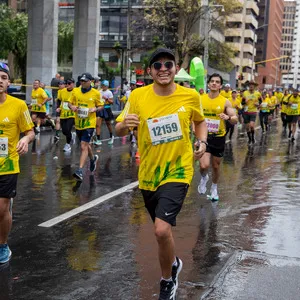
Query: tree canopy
{"x": 14, "y": 37}
{"x": 174, "y": 21}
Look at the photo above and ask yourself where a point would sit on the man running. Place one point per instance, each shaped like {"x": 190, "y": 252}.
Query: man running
{"x": 292, "y": 113}
{"x": 66, "y": 114}
{"x": 217, "y": 110}
{"x": 61, "y": 86}
{"x": 38, "y": 107}
{"x": 106, "y": 113}
{"x": 85, "y": 102}
{"x": 163, "y": 112}
{"x": 251, "y": 101}
{"x": 14, "y": 119}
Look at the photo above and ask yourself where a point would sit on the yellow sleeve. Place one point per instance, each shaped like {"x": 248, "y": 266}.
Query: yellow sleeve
{"x": 98, "y": 102}
{"x": 128, "y": 109}
{"x": 44, "y": 95}
{"x": 197, "y": 111}
{"x": 24, "y": 121}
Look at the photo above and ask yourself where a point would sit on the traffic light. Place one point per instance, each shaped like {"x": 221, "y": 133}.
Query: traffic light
{"x": 241, "y": 76}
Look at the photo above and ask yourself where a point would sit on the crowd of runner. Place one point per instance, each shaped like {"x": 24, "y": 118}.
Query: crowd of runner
{"x": 159, "y": 119}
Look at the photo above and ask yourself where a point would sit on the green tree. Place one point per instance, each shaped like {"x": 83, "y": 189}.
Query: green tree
{"x": 174, "y": 22}
{"x": 14, "y": 28}
{"x": 65, "y": 42}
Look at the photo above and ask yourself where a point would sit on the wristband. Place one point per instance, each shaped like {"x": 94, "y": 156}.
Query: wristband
{"x": 203, "y": 142}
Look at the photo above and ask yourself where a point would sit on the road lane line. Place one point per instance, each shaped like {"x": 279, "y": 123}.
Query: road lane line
{"x": 88, "y": 205}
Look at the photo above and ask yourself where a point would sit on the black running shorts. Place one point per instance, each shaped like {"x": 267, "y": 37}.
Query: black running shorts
{"x": 216, "y": 146}
{"x": 165, "y": 203}
{"x": 8, "y": 185}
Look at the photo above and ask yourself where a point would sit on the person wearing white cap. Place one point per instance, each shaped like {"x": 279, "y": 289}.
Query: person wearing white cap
{"x": 226, "y": 93}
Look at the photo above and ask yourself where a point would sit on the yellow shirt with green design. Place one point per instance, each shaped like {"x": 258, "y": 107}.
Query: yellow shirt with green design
{"x": 65, "y": 111}
{"x": 164, "y": 134}
{"x": 251, "y": 102}
{"x": 85, "y": 101}
{"x": 38, "y": 96}
{"x": 293, "y": 106}
{"x": 14, "y": 119}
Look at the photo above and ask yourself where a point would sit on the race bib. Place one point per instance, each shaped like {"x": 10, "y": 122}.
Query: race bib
{"x": 82, "y": 112}
{"x": 212, "y": 125}
{"x": 66, "y": 106}
{"x": 3, "y": 147}
{"x": 245, "y": 108}
{"x": 33, "y": 101}
{"x": 294, "y": 106}
{"x": 264, "y": 105}
{"x": 164, "y": 129}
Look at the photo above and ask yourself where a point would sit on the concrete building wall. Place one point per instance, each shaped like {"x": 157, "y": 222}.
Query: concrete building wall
{"x": 86, "y": 37}
{"x": 269, "y": 73}
{"x": 42, "y": 40}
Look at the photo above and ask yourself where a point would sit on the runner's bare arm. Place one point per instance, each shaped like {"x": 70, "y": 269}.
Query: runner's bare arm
{"x": 201, "y": 135}
{"x": 229, "y": 114}
{"x": 22, "y": 146}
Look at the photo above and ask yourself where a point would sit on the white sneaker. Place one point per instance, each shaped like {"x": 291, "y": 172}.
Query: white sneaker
{"x": 111, "y": 141}
{"x": 202, "y": 184}
{"x": 214, "y": 194}
{"x": 97, "y": 142}
{"x": 67, "y": 148}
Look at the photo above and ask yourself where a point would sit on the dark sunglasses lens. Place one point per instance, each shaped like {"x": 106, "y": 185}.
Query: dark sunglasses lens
{"x": 157, "y": 65}
{"x": 169, "y": 65}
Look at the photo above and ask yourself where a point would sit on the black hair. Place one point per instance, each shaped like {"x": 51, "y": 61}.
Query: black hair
{"x": 215, "y": 75}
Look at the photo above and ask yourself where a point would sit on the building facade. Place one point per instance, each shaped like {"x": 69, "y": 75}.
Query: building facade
{"x": 291, "y": 44}
{"x": 287, "y": 40}
{"x": 269, "y": 43}
{"x": 241, "y": 34}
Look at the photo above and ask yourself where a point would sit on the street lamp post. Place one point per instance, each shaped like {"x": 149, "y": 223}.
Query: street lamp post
{"x": 253, "y": 44}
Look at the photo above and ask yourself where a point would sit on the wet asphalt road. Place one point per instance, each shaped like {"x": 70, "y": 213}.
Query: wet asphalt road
{"x": 109, "y": 251}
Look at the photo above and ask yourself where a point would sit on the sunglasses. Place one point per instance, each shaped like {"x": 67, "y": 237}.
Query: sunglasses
{"x": 168, "y": 65}
{"x": 4, "y": 66}
{"x": 69, "y": 82}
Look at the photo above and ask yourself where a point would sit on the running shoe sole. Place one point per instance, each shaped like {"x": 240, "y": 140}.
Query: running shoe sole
{"x": 77, "y": 177}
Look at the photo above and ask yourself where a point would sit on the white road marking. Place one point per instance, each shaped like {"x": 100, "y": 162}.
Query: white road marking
{"x": 88, "y": 205}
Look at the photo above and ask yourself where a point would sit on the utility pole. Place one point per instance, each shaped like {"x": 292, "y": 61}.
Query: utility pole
{"x": 206, "y": 10}
{"x": 128, "y": 60}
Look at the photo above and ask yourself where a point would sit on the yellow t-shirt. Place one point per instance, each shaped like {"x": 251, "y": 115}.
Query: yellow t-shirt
{"x": 65, "y": 112}
{"x": 83, "y": 118}
{"x": 278, "y": 96}
{"x": 225, "y": 94}
{"x": 38, "y": 96}
{"x": 272, "y": 102}
{"x": 236, "y": 104}
{"x": 265, "y": 105}
{"x": 252, "y": 99}
{"x": 14, "y": 119}
{"x": 293, "y": 106}
{"x": 284, "y": 103}
{"x": 211, "y": 109}
{"x": 164, "y": 134}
